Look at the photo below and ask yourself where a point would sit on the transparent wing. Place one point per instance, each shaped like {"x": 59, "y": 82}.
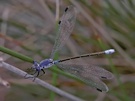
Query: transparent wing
{"x": 66, "y": 25}
{"x": 88, "y": 73}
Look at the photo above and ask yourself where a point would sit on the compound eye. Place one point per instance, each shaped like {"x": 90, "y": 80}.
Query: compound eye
{"x": 35, "y": 64}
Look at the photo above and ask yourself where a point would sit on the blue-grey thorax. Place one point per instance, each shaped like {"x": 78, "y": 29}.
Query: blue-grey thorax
{"x": 46, "y": 63}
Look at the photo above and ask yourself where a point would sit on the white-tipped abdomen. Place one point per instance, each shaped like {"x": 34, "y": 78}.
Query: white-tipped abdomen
{"x": 109, "y": 51}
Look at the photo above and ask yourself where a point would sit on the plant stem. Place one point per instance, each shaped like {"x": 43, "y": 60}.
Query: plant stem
{"x": 16, "y": 54}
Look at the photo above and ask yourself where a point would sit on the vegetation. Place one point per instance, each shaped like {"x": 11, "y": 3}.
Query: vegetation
{"x": 28, "y": 31}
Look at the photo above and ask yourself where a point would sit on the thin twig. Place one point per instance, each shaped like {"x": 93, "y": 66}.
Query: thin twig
{"x": 57, "y": 10}
{"x": 47, "y": 10}
{"x": 5, "y": 17}
{"x": 40, "y": 82}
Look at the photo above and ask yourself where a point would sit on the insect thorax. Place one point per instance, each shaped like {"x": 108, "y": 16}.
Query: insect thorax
{"x": 46, "y": 63}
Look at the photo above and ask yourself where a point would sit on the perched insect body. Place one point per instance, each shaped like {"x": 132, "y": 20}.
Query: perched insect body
{"x": 90, "y": 74}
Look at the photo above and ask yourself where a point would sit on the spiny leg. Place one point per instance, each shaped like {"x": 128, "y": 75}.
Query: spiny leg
{"x": 30, "y": 69}
{"x": 25, "y": 76}
{"x": 36, "y": 75}
{"x": 30, "y": 76}
{"x": 43, "y": 71}
{"x": 34, "y": 72}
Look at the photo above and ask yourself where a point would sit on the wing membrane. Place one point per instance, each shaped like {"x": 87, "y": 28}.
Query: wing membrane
{"x": 66, "y": 25}
{"x": 88, "y": 74}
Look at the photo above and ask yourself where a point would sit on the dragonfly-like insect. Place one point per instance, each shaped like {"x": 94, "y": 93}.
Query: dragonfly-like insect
{"x": 90, "y": 74}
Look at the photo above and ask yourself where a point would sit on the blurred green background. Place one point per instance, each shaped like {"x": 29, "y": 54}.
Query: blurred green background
{"x": 29, "y": 27}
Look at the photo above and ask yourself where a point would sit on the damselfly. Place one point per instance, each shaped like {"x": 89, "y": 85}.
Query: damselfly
{"x": 88, "y": 73}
